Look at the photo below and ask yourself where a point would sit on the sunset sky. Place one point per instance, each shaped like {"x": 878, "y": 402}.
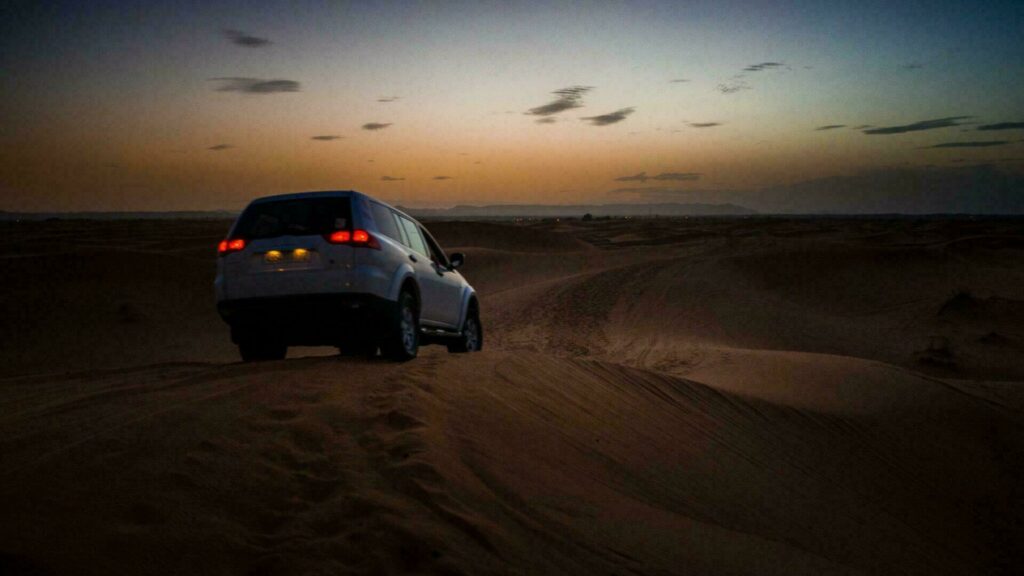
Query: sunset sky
{"x": 205, "y": 105}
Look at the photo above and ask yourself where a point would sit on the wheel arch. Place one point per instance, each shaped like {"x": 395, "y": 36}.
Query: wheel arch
{"x": 469, "y": 302}
{"x": 404, "y": 279}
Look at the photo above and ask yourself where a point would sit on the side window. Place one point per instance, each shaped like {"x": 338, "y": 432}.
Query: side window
{"x": 413, "y": 233}
{"x": 385, "y": 220}
{"x": 436, "y": 254}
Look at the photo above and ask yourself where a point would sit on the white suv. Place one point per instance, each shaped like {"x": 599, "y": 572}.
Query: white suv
{"x": 340, "y": 269}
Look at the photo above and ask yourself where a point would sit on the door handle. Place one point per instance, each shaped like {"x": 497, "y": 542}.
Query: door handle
{"x": 413, "y": 257}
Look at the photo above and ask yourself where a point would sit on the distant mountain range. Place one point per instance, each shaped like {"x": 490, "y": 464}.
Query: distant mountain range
{"x": 579, "y": 210}
{"x": 501, "y": 211}
{"x": 181, "y": 215}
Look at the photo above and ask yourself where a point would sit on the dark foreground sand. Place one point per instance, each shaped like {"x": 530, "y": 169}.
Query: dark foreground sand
{"x": 659, "y": 397}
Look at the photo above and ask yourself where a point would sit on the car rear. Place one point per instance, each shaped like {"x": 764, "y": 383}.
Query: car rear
{"x": 287, "y": 268}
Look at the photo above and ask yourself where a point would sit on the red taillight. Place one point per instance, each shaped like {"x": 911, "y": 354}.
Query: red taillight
{"x": 229, "y": 246}
{"x": 358, "y": 238}
{"x": 340, "y": 237}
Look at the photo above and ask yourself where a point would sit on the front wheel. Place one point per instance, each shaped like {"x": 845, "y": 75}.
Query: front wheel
{"x": 403, "y": 339}
{"x": 472, "y": 337}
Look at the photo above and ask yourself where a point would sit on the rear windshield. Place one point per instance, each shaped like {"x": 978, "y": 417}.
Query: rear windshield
{"x": 300, "y": 217}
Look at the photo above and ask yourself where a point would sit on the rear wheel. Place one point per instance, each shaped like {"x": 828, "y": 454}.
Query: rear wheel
{"x": 472, "y": 337}
{"x": 259, "y": 351}
{"x": 402, "y": 341}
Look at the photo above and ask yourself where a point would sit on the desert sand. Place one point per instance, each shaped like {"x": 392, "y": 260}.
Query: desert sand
{"x": 686, "y": 396}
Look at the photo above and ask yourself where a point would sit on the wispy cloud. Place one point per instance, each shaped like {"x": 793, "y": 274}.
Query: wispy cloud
{"x": 442, "y": 177}
{"x": 732, "y": 87}
{"x": 917, "y": 126}
{"x": 256, "y": 85}
{"x": 862, "y": 126}
{"x": 704, "y": 124}
{"x": 912, "y": 66}
{"x": 546, "y": 120}
{"x": 376, "y": 125}
{"x": 657, "y": 191}
{"x": 610, "y": 118}
{"x": 678, "y": 80}
{"x": 242, "y": 39}
{"x": 326, "y": 137}
{"x": 762, "y": 66}
{"x": 1002, "y": 126}
{"x": 568, "y": 98}
{"x": 391, "y": 179}
{"x": 387, "y": 99}
{"x": 219, "y": 147}
{"x": 830, "y": 127}
{"x": 975, "y": 144}
{"x": 664, "y": 176}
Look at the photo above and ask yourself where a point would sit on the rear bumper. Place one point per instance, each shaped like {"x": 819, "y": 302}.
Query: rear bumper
{"x": 311, "y": 320}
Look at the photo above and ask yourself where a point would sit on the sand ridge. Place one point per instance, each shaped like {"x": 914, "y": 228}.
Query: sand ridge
{"x": 657, "y": 397}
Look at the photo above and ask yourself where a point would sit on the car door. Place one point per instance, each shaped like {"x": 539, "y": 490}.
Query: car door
{"x": 449, "y": 281}
{"x": 431, "y": 292}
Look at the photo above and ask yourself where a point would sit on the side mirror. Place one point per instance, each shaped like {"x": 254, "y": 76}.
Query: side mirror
{"x": 457, "y": 259}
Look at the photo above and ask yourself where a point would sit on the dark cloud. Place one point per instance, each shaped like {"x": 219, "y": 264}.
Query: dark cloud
{"x": 610, "y": 118}
{"x": 664, "y": 176}
{"x": 975, "y": 144}
{"x": 704, "y": 124}
{"x": 732, "y": 87}
{"x": 376, "y": 125}
{"x": 762, "y": 66}
{"x": 917, "y": 126}
{"x": 678, "y": 80}
{"x": 568, "y": 98}
{"x": 256, "y": 85}
{"x": 639, "y": 177}
{"x": 442, "y": 177}
{"x": 326, "y": 137}
{"x": 242, "y": 39}
{"x": 830, "y": 127}
{"x": 219, "y": 147}
{"x": 391, "y": 179}
{"x": 659, "y": 191}
{"x": 546, "y": 120}
{"x": 677, "y": 176}
{"x": 1002, "y": 126}
{"x": 387, "y": 99}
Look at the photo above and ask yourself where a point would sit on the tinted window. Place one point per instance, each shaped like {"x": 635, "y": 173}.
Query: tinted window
{"x": 436, "y": 254}
{"x": 300, "y": 217}
{"x": 385, "y": 220}
{"x": 413, "y": 232}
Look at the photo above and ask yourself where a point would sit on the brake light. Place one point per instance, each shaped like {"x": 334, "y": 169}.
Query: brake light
{"x": 229, "y": 246}
{"x": 340, "y": 237}
{"x": 357, "y": 238}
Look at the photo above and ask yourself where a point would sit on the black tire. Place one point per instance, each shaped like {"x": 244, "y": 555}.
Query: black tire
{"x": 472, "y": 337}
{"x": 260, "y": 351}
{"x": 402, "y": 341}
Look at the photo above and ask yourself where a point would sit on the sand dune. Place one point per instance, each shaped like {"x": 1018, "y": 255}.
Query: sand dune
{"x": 658, "y": 397}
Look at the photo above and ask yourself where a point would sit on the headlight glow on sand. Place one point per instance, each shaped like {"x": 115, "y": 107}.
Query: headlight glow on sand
{"x": 300, "y": 254}
{"x": 273, "y": 256}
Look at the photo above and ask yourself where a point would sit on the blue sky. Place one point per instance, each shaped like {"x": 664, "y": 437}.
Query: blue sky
{"x": 132, "y": 105}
